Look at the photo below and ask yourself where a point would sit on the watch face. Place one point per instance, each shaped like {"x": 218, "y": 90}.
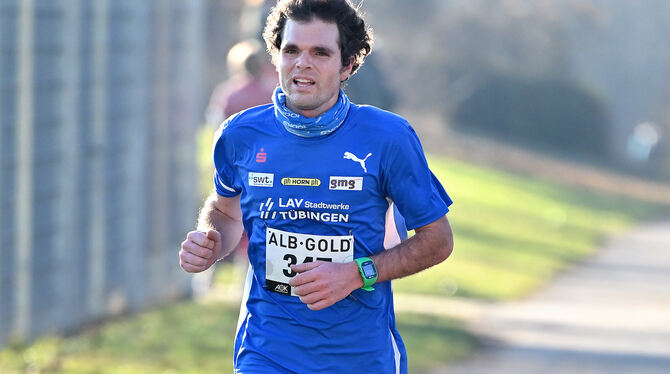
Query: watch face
{"x": 369, "y": 269}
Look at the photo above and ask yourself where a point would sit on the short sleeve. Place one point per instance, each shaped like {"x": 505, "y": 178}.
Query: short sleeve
{"x": 226, "y": 182}
{"x": 411, "y": 185}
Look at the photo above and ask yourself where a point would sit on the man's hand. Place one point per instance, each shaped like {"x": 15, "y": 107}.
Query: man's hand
{"x": 321, "y": 284}
{"x": 200, "y": 250}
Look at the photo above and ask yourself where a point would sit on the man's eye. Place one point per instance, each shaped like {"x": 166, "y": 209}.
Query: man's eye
{"x": 290, "y": 51}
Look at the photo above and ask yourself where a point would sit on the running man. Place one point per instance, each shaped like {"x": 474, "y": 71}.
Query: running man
{"x": 310, "y": 178}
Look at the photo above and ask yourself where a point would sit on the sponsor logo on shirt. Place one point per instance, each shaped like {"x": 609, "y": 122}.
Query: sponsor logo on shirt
{"x": 354, "y": 158}
{"x": 261, "y": 179}
{"x": 281, "y": 288}
{"x": 261, "y": 156}
{"x": 298, "y": 209}
{"x": 346, "y": 183}
{"x": 308, "y": 182}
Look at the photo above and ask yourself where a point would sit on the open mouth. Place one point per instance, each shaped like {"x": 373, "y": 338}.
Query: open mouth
{"x": 300, "y": 82}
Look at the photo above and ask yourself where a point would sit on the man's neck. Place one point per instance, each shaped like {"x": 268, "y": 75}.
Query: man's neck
{"x": 312, "y": 113}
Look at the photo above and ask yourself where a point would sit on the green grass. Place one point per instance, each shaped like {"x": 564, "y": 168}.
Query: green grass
{"x": 512, "y": 233}
{"x": 195, "y": 338}
{"x": 181, "y": 338}
{"x": 432, "y": 341}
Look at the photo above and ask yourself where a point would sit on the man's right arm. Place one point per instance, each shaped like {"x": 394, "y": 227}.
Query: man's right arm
{"x": 218, "y": 232}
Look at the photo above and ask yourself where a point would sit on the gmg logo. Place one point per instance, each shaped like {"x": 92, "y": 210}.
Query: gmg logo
{"x": 346, "y": 183}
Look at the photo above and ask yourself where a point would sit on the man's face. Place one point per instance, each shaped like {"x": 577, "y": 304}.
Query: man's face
{"x": 310, "y": 66}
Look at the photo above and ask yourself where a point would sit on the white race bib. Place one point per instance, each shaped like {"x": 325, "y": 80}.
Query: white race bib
{"x": 283, "y": 249}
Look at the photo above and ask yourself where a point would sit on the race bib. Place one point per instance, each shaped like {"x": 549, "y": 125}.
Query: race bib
{"x": 283, "y": 249}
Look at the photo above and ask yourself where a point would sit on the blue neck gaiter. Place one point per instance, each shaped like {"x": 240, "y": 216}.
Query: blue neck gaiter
{"x": 300, "y": 125}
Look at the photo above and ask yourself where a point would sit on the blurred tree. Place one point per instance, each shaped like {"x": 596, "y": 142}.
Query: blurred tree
{"x": 442, "y": 52}
{"x": 452, "y": 45}
{"x": 621, "y": 50}
{"x": 556, "y": 115}
{"x": 369, "y": 86}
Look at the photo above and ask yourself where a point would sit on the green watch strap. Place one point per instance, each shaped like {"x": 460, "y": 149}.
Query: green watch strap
{"x": 369, "y": 273}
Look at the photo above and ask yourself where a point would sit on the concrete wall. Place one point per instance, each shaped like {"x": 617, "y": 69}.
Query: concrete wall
{"x": 99, "y": 103}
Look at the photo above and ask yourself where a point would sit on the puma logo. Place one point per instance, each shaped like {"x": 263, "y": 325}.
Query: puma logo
{"x": 351, "y": 156}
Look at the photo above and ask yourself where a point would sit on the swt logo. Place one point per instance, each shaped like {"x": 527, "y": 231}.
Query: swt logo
{"x": 261, "y": 179}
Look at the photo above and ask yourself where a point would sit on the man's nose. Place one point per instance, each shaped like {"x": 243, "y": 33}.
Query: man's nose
{"x": 304, "y": 60}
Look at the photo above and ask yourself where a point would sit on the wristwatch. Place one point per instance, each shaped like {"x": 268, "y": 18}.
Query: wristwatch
{"x": 368, "y": 271}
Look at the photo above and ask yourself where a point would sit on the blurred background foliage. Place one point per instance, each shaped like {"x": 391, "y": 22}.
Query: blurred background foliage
{"x": 573, "y": 121}
{"x": 576, "y": 77}
{"x": 533, "y": 83}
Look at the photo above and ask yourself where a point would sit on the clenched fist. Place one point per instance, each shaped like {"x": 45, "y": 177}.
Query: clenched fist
{"x": 200, "y": 250}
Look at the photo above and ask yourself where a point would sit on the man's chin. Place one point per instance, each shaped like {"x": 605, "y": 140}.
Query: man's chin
{"x": 302, "y": 105}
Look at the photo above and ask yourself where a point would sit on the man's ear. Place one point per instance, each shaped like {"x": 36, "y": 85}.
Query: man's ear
{"x": 346, "y": 70}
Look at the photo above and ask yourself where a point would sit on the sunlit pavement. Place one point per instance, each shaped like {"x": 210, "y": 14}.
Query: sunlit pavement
{"x": 610, "y": 314}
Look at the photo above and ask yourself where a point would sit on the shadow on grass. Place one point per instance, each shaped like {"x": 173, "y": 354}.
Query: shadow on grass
{"x": 433, "y": 341}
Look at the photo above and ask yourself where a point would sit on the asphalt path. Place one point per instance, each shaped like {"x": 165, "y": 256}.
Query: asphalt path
{"x": 610, "y": 314}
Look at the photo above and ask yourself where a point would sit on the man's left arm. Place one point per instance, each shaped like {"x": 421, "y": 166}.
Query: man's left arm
{"x": 322, "y": 284}
{"x": 430, "y": 245}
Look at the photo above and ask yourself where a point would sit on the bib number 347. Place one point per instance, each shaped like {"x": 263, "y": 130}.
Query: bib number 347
{"x": 284, "y": 248}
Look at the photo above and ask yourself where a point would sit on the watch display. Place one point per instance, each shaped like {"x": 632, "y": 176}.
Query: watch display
{"x": 368, "y": 272}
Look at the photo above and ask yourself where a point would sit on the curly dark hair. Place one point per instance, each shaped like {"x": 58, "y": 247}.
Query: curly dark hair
{"x": 355, "y": 37}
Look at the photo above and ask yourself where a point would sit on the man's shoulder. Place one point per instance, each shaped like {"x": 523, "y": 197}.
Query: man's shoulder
{"x": 252, "y": 116}
{"x": 247, "y": 119}
{"x": 381, "y": 121}
{"x": 373, "y": 112}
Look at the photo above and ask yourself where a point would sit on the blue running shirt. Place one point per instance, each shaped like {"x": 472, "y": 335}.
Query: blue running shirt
{"x": 324, "y": 198}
